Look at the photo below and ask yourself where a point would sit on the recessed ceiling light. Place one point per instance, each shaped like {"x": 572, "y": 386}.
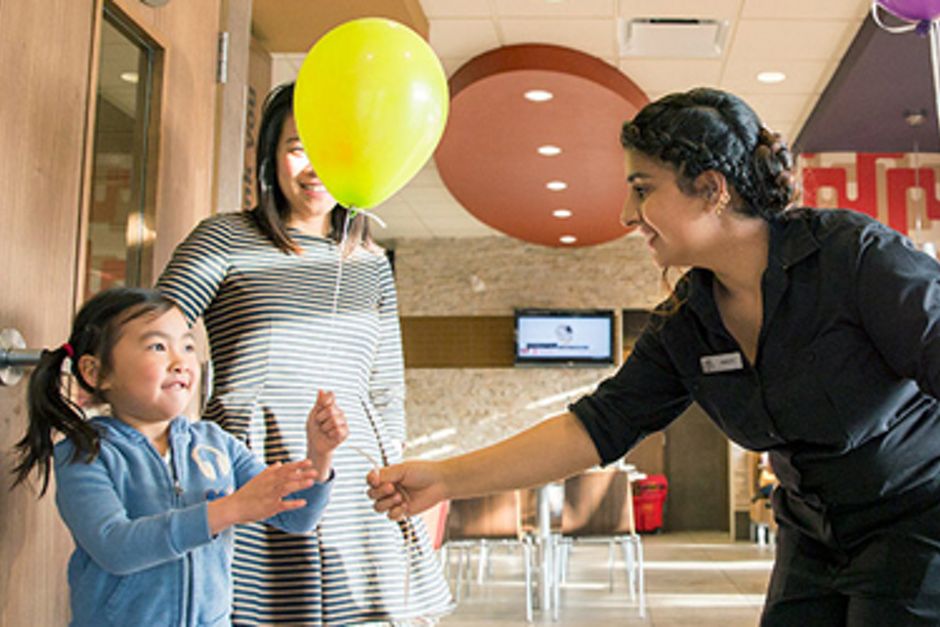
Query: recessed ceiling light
{"x": 567, "y": 239}
{"x": 539, "y": 95}
{"x": 130, "y": 77}
{"x": 771, "y": 77}
{"x": 549, "y": 151}
{"x": 562, "y": 213}
{"x": 556, "y": 186}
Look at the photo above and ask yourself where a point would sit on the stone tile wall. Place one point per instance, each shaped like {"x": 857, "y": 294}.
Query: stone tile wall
{"x": 456, "y": 410}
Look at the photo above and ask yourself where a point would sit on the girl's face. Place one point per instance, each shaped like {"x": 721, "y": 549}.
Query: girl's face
{"x": 154, "y": 371}
{"x": 674, "y": 224}
{"x": 304, "y": 192}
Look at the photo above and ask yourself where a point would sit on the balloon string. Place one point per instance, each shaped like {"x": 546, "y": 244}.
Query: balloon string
{"x": 354, "y": 211}
{"x": 409, "y": 532}
{"x": 935, "y": 65}
{"x": 891, "y": 29}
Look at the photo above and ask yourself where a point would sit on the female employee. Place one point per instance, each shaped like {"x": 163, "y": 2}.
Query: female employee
{"x": 814, "y": 335}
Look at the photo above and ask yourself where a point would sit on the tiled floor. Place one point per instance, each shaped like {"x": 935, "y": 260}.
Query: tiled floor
{"x": 698, "y": 579}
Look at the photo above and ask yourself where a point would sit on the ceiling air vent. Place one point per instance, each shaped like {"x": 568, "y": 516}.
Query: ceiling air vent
{"x": 672, "y": 37}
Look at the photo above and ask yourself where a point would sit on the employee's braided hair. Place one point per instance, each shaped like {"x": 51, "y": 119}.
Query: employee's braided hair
{"x": 707, "y": 129}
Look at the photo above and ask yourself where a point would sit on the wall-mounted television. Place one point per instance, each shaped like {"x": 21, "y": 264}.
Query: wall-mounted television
{"x": 563, "y": 337}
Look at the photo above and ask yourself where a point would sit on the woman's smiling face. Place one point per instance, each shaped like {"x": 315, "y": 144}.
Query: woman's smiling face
{"x": 299, "y": 183}
{"x": 673, "y": 223}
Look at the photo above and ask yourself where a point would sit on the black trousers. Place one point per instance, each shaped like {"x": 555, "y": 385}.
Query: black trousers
{"x": 888, "y": 576}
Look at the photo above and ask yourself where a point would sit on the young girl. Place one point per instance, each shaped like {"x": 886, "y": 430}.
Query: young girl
{"x": 150, "y": 497}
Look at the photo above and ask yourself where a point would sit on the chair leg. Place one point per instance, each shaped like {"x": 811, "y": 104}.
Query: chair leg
{"x": 642, "y": 583}
{"x": 610, "y": 565}
{"x": 458, "y": 588}
{"x": 626, "y": 543}
{"x": 556, "y": 577}
{"x": 565, "y": 550}
{"x": 527, "y": 556}
{"x": 468, "y": 576}
{"x": 481, "y": 563}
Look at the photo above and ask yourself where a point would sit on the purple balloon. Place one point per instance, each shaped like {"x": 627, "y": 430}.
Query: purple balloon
{"x": 913, "y": 10}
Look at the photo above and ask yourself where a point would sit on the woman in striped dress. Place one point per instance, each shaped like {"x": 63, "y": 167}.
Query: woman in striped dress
{"x": 265, "y": 283}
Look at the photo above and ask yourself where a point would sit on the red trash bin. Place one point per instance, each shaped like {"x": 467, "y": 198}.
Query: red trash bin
{"x": 649, "y": 499}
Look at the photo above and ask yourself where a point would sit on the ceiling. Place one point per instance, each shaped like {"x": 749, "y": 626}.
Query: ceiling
{"x": 760, "y": 36}
{"x": 884, "y": 77}
{"x": 570, "y": 196}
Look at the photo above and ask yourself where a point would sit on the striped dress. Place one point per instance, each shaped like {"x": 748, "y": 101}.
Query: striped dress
{"x": 275, "y": 342}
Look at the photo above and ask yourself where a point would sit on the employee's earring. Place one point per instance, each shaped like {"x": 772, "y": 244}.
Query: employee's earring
{"x": 723, "y": 201}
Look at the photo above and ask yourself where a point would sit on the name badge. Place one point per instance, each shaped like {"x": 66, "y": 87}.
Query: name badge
{"x": 724, "y": 362}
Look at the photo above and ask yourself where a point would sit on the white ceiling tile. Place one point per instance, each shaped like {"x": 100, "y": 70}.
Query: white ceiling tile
{"x": 564, "y": 8}
{"x": 402, "y": 228}
{"x": 389, "y": 212}
{"x": 594, "y": 36}
{"x": 428, "y": 176}
{"x": 779, "y": 106}
{"x": 393, "y": 224}
{"x": 669, "y": 75}
{"x": 395, "y": 201}
{"x": 794, "y": 39}
{"x": 462, "y": 38}
{"x": 454, "y": 8}
{"x": 808, "y": 9}
{"x": 417, "y": 196}
{"x": 656, "y": 95}
{"x": 451, "y": 65}
{"x": 283, "y": 70}
{"x": 438, "y": 210}
{"x": 713, "y": 9}
{"x": 295, "y": 58}
{"x": 741, "y": 71}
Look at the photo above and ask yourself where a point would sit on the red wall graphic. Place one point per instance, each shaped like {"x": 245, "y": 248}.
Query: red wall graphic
{"x": 883, "y": 185}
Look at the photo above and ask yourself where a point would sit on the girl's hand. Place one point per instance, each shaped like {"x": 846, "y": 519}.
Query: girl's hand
{"x": 326, "y": 429}
{"x": 263, "y": 496}
{"x": 406, "y": 489}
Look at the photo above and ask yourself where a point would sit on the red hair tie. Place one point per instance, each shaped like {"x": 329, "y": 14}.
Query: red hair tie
{"x": 69, "y": 350}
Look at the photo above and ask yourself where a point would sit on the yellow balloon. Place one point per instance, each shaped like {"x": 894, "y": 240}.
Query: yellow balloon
{"x": 370, "y": 103}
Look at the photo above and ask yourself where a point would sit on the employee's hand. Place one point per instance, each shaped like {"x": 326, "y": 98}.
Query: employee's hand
{"x": 406, "y": 489}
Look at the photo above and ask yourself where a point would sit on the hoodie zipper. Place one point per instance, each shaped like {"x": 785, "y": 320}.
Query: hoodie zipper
{"x": 177, "y": 498}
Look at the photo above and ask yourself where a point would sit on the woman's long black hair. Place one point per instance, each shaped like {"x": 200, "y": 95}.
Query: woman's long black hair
{"x": 96, "y": 330}
{"x": 272, "y": 212}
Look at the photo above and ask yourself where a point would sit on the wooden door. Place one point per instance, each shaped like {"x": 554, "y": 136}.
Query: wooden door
{"x": 48, "y": 56}
{"x": 45, "y": 52}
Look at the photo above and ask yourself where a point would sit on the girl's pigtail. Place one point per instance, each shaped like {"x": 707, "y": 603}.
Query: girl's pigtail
{"x": 51, "y": 410}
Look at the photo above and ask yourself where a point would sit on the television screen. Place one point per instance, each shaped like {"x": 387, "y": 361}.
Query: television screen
{"x": 561, "y": 337}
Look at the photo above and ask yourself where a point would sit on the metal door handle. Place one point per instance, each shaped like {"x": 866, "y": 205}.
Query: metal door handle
{"x": 14, "y": 357}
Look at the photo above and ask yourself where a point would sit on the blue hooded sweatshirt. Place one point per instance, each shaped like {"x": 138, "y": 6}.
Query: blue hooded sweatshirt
{"x": 143, "y": 551}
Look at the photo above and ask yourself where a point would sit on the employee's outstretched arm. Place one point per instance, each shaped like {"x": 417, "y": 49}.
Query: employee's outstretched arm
{"x": 551, "y": 450}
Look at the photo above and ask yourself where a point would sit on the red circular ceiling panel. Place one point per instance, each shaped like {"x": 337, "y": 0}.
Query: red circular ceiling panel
{"x": 488, "y": 157}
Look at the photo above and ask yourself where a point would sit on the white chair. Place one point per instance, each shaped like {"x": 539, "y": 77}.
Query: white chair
{"x": 599, "y": 509}
{"x": 476, "y": 524}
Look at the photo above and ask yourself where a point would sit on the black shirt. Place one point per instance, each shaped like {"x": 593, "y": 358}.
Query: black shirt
{"x": 844, "y": 389}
